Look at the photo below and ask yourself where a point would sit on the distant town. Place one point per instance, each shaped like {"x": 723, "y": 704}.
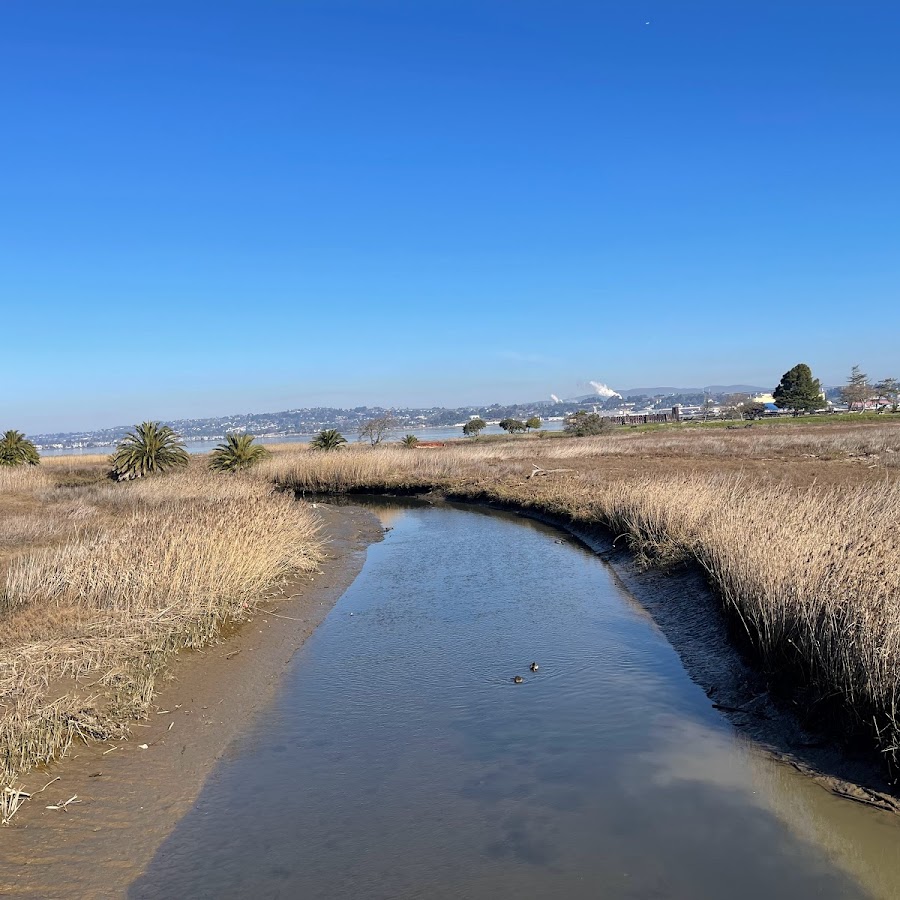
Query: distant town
{"x": 691, "y": 403}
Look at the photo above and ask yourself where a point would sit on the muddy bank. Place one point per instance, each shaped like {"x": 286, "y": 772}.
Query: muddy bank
{"x": 130, "y": 798}
{"x": 401, "y": 759}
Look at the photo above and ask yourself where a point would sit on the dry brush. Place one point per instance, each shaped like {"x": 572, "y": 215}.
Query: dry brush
{"x": 117, "y": 579}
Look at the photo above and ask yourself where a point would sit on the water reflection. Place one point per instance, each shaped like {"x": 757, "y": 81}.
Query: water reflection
{"x": 401, "y": 761}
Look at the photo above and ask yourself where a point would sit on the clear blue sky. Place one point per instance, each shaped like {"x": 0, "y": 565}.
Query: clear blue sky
{"x": 214, "y": 207}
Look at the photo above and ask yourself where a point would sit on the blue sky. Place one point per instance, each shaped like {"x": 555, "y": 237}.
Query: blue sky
{"x": 219, "y": 207}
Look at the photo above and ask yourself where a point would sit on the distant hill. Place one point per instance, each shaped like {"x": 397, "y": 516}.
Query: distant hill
{"x": 712, "y": 388}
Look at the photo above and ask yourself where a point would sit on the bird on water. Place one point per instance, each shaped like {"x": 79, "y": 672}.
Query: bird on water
{"x": 518, "y": 679}
{"x": 534, "y": 667}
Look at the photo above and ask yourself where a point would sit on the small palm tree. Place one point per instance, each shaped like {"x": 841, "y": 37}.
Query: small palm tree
{"x": 409, "y": 441}
{"x": 149, "y": 449}
{"x": 237, "y": 453}
{"x": 17, "y": 450}
{"x": 327, "y": 439}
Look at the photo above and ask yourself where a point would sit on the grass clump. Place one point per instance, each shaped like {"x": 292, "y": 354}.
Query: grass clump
{"x": 129, "y": 575}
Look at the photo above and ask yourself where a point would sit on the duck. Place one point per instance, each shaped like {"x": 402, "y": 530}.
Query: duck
{"x": 518, "y": 679}
{"x": 534, "y": 667}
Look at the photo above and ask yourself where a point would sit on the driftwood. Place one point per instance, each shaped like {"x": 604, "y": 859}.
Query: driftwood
{"x": 13, "y": 798}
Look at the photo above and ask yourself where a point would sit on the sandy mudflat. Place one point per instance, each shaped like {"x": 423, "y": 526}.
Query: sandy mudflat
{"x": 130, "y": 798}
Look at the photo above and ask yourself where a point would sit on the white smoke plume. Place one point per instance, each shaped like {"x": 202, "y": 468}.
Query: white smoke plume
{"x": 604, "y": 390}
{"x": 555, "y": 399}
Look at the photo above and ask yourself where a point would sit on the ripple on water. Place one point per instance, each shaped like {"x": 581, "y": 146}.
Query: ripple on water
{"x": 401, "y": 760}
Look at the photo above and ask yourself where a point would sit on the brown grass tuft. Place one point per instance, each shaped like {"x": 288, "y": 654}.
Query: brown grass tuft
{"x": 117, "y": 579}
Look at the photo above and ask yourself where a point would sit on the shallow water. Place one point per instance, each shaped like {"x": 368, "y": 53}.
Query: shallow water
{"x": 401, "y": 761}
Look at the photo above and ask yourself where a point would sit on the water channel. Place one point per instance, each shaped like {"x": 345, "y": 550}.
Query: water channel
{"x": 400, "y": 759}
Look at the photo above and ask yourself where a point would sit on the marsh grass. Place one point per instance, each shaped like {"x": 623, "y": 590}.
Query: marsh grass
{"x": 101, "y": 583}
{"x": 810, "y": 572}
{"x": 110, "y": 580}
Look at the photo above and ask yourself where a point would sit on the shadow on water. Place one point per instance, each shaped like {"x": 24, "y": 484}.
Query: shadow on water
{"x": 400, "y": 760}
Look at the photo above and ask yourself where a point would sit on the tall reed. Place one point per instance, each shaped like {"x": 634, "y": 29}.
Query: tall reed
{"x": 139, "y": 571}
{"x": 812, "y": 573}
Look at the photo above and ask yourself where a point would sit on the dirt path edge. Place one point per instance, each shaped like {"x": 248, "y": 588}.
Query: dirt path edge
{"x": 129, "y": 798}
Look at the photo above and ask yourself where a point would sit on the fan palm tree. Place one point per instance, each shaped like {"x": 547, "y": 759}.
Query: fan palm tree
{"x": 149, "y": 449}
{"x": 328, "y": 439}
{"x": 237, "y": 453}
{"x": 17, "y": 450}
{"x": 409, "y": 441}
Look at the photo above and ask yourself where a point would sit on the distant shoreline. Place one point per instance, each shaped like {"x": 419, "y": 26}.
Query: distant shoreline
{"x": 205, "y": 444}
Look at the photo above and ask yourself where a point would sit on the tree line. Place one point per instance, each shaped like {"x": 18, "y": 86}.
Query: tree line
{"x": 799, "y": 392}
{"x": 153, "y": 447}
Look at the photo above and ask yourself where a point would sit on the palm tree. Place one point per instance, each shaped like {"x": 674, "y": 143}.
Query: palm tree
{"x": 149, "y": 449}
{"x": 327, "y": 439}
{"x": 17, "y": 450}
{"x": 237, "y": 453}
{"x": 409, "y": 441}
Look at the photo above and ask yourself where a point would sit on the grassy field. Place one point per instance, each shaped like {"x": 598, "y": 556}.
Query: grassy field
{"x": 798, "y": 530}
{"x": 102, "y": 583}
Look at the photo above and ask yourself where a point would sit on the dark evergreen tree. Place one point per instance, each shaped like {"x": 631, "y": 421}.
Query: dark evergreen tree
{"x": 798, "y": 390}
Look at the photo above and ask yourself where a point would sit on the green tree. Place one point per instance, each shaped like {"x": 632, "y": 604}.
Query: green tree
{"x": 17, "y": 450}
{"x": 751, "y": 409}
{"x": 409, "y": 441}
{"x": 513, "y": 426}
{"x": 798, "y": 390}
{"x": 585, "y": 424}
{"x": 236, "y": 454}
{"x": 474, "y": 426}
{"x": 150, "y": 449}
{"x": 857, "y": 390}
{"x": 328, "y": 439}
{"x": 533, "y": 422}
{"x": 889, "y": 388}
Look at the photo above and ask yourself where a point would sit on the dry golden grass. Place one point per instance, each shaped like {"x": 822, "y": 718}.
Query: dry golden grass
{"x": 75, "y": 461}
{"x": 104, "y": 582}
{"x": 781, "y": 440}
{"x": 23, "y": 479}
{"x": 811, "y": 570}
{"x": 878, "y": 442}
{"x": 101, "y": 583}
